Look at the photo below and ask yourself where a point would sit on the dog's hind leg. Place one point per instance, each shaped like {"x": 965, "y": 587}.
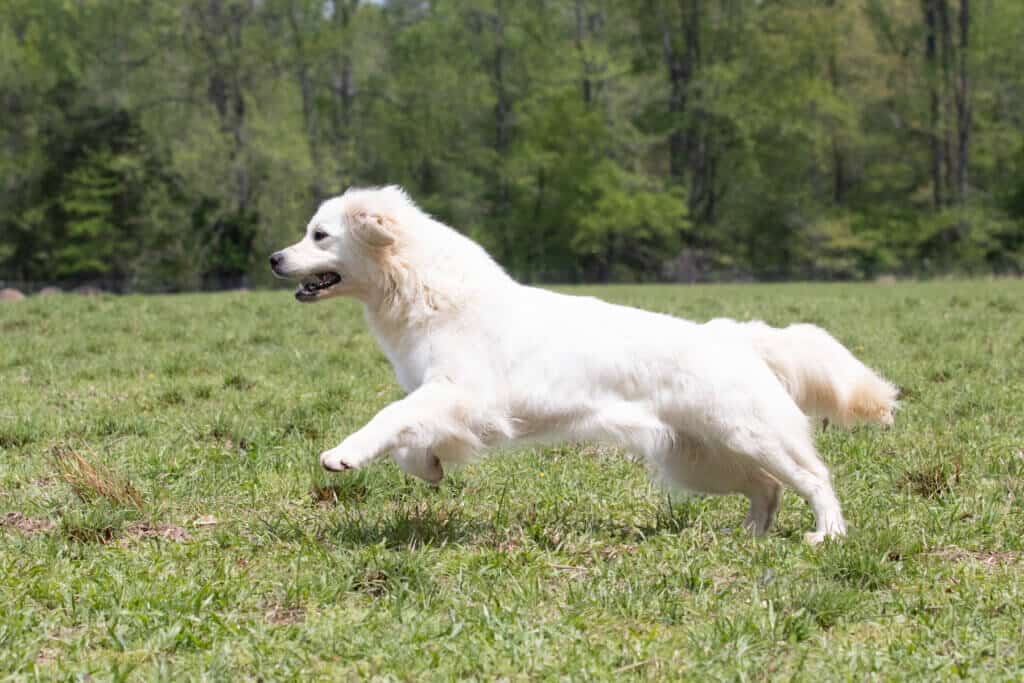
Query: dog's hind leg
{"x": 717, "y": 471}
{"x": 792, "y": 460}
{"x": 420, "y": 463}
{"x": 765, "y": 494}
{"x": 775, "y": 437}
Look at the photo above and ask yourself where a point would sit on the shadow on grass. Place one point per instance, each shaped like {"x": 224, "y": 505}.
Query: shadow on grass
{"x": 422, "y": 525}
{"x": 406, "y": 528}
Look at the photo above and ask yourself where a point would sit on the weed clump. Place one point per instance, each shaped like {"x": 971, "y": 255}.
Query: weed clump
{"x": 238, "y": 382}
{"x": 934, "y": 481}
{"x": 93, "y": 482}
{"x": 17, "y": 435}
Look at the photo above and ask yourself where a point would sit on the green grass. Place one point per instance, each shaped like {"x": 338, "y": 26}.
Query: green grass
{"x": 541, "y": 564}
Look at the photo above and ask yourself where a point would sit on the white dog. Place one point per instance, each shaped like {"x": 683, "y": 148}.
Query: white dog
{"x": 715, "y": 408}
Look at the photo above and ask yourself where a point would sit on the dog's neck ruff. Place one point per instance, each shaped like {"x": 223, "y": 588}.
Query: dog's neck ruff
{"x": 431, "y": 273}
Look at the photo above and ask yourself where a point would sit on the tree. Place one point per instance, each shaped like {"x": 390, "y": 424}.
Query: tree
{"x": 576, "y": 139}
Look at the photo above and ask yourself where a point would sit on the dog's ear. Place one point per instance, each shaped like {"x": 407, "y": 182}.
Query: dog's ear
{"x": 372, "y": 229}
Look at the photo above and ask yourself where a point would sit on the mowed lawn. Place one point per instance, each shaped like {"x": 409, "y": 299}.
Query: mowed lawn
{"x": 204, "y": 542}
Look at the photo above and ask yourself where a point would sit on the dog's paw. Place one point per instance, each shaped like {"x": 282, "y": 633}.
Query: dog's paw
{"x": 815, "y": 538}
{"x": 335, "y": 461}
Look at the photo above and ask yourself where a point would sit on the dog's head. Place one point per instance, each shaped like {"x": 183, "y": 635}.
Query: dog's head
{"x": 344, "y": 246}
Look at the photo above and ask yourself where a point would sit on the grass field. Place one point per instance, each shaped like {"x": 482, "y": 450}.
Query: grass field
{"x": 164, "y": 517}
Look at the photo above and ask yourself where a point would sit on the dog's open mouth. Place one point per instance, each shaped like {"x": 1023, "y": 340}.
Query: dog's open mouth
{"x": 311, "y": 286}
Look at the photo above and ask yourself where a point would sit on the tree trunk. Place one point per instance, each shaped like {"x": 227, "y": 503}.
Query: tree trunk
{"x": 343, "y": 85}
{"x": 306, "y": 91}
{"x": 501, "y": 104}
{"x": 711, "y": 205}
{"x": 681, "y": 65}
{"x": 697, "y": 137}
{"x": 963, "y": 104}
{"x": 502, "y": 108}
{"x": 220, "y": 29}
{"x": 691, "y": 141}
{"x": 218, "y": 22}
{"x": 838, "y": 153}
{"x": 946, "y": 32}
{"x": 581, "y": 32}
{"x": 538, "y": 265}
{"x": 930, "y": 21}
{"x": 679, "y": 77}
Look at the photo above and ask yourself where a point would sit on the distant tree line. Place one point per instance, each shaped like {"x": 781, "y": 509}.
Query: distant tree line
{"x": 168, "y": 145}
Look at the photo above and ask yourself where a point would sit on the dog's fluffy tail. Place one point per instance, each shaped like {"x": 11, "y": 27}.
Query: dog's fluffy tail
{"x": 821, "y": 374}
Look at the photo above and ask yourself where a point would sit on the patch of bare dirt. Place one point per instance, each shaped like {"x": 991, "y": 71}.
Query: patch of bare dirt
{"x": 988, "y": 558}
{"x": 205, "y": 520}
{"x": 25, "y": 524}
{"x": 285, "y": 616}
{"x": 602, "y": 452}
{"x": 167, "y": 532}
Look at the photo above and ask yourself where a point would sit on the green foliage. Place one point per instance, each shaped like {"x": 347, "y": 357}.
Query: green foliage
{"x": 88, "y": 204}
{"x": 172, "y": 145}
{"x": 627, "y": 221}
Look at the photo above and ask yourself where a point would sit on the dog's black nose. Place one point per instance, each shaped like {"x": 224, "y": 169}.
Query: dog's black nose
{"x": 275, "y": 260}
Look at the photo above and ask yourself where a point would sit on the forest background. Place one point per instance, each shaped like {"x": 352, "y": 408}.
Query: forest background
{"x": 163, "y": 146}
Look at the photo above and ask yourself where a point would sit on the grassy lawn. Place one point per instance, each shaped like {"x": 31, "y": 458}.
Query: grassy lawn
{"x": 217, "y": 549}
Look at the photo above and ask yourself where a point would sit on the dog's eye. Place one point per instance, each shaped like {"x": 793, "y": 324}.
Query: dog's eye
{"x": 319, "y": 235}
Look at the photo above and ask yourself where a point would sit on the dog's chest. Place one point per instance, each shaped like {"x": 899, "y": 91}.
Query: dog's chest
{"x": 409, "y": 359}
{"x": 409, "y": 373}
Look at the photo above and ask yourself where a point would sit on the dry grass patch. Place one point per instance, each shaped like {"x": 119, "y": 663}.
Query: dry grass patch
{"x": 329, "y": 495}
{"x": 988, "y": 558}
{"x": 286, "y": 616}
{"x": 25, "y": 524}
{"x": 93, "y": 482}
{"x": 168, "y": 532}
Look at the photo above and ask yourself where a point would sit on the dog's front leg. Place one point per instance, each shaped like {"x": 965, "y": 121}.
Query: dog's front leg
{"x": 418, "y": 422}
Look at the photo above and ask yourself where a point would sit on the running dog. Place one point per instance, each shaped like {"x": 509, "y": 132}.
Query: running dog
{"x": 716, "y": 408}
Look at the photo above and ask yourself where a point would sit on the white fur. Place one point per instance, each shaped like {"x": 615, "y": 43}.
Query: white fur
{"x": 716, "y": 408}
